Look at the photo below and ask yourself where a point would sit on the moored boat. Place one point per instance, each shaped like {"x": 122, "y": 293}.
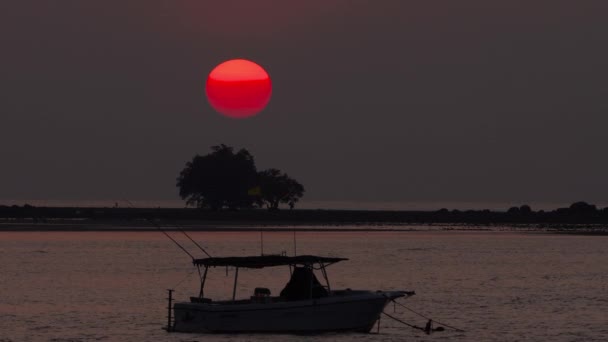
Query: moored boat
{"x": 303, "y": 306}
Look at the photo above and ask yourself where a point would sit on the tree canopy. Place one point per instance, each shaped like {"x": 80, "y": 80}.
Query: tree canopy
{"x": 225, "y": 179}
{"x": 219, "y": 179}
{"x": 277, "y": 187}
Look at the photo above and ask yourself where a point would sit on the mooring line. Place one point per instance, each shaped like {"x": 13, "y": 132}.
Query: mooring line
{"x": 421, "y": 315}
{"x": 402, "y": 322}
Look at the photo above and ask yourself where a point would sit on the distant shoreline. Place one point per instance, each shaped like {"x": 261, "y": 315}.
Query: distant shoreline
{"x": 4, "y": 228}
{"x": 300, "y": 225}
{"x": 579, "y": 218}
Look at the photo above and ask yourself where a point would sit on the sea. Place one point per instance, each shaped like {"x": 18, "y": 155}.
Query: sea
{"x": 492, "y": 285}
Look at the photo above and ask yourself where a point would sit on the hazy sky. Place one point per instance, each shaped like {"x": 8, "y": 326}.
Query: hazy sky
{"x": 373, "y": 100}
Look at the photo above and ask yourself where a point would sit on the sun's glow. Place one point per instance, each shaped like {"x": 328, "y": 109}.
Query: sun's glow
{"x": 238, "y": 88}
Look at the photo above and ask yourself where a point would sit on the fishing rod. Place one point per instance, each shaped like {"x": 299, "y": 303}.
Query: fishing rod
{"x": 197, "y": 245}
{"x": 158, "y": 226}
{"x": 178, "y": 245}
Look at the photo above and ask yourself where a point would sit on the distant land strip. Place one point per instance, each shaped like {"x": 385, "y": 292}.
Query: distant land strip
{"x": 579, "y": 217}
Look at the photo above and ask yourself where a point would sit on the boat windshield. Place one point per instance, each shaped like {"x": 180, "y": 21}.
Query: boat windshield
{"x": 303, "y": 285}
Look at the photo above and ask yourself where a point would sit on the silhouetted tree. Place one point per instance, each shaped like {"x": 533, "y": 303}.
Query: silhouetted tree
{"x": 522, "y": 210}
{"x": 219, "y": 179}
{"x": 582, "y": 208}
{"x": 277, "y": 187}
{"x": 513, "y": 210}
{"x": 525, "y": 209}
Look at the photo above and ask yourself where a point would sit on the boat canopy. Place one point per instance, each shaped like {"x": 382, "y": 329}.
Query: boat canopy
{"x": 266, "y": 261}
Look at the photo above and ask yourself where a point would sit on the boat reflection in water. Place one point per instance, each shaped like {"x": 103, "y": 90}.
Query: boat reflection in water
{"x": 303, "y": 306}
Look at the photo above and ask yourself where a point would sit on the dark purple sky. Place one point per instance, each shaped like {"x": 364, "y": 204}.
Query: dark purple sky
{"x": 373, "y": 100}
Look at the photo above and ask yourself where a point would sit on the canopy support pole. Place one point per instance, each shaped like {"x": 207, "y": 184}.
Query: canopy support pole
{"x": 203, "y": 278}
{"x": 312, "y": 276}
{"x": 236, "y": 276}
{"x": 326, "y": 278}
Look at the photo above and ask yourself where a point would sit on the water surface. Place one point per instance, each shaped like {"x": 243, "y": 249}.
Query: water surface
{"x": 498, "y": 286}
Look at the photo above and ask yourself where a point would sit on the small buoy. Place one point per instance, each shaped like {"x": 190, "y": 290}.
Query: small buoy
{"x": 429, "y": 327}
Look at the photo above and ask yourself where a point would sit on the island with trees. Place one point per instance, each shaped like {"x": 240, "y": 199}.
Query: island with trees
{"x": 223, "y": 189}
{"x": 225, "y": 179}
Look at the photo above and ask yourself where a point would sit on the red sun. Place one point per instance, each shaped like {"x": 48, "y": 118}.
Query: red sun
{"x": 238, "y": 88}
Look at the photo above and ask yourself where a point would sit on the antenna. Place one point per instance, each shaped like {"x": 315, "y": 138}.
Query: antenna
{"x": 294, "y": 243}
{"x": 262, "y": 242}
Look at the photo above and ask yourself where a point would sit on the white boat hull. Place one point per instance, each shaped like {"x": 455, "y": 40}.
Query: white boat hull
{"x": 346, "y": 311}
